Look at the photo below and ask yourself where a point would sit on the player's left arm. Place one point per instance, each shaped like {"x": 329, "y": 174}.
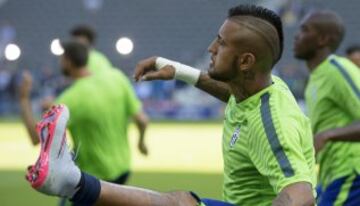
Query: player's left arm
{"x": 25, "y": 107}
{"x": 297, "y": 194}
{"x": 348, "y": 133}
{"x": 141, "y": 120}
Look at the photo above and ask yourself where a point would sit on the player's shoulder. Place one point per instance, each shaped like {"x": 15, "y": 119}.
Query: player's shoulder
{"x": 67, "y": 95}
{"x": 276, "y": 98}
{"x": 72, "y": 88}
{"x": 282, "y": 103}
{"x": 344, "y": 67}
{"x": 337, "y": 68}
{"x": 280, "y": 94}
{"x": 339, "y": 61}
{"x": 118, "y": 74}
{"x": 96, "y": 54}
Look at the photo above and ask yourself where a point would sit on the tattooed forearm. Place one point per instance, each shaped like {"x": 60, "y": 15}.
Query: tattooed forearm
{"x": 217, "y": 89}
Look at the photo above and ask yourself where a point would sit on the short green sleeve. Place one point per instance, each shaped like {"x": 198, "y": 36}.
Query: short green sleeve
{"x": 277, "y": 148}
{"x": 345, "y": 81}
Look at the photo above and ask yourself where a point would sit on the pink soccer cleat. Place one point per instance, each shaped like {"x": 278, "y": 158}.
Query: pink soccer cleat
{"x": 54, "y": 173}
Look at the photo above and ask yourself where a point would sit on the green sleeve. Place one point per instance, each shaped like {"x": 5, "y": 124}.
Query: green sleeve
{"x": 346, "y": 91}
{"x": 278, "y": 154}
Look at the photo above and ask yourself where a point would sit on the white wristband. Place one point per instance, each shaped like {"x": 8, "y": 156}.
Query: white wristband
{"x": 183, "y": 72}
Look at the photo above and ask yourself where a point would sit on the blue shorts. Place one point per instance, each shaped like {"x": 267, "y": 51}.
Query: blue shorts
{"x": 344, "y": 191}
{"x": 210, "y": 202}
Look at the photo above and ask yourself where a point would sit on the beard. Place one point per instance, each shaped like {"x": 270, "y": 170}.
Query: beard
{"x": 225, "y": 75}
{"x": 219, "y": 77}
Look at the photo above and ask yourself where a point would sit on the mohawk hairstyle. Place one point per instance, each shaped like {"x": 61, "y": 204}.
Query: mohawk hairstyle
{"x": 264, "y": 14}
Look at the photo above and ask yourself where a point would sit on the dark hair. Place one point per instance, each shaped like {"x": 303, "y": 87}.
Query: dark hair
{"x": 264, "y": 14}
{"x": 86, "y": 31}
{"x": 76, "y": 52}
{"x": 352, "y": 49}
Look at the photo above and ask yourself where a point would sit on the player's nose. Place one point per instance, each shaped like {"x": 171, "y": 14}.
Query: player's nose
{"x": 212, "y": 47}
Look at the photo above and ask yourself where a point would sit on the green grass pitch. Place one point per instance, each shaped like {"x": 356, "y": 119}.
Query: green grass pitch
{"x": 179, "y": 160}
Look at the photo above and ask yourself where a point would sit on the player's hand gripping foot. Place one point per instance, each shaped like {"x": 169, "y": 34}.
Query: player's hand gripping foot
{"x": 54, "y": 173}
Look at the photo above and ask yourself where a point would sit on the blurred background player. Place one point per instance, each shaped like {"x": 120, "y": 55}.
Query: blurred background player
{"x": 333, "y": 101}
{"x": 86, "y": 35}
{"x": 101, "y": 107}
{"x": 353, "y": 53}
{"x": 97, "y": 61}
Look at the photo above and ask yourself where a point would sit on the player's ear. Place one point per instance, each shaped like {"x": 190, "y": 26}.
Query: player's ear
{"x": 246, "y": 61}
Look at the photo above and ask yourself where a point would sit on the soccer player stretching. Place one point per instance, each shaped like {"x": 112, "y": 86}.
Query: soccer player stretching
{"x": 267, "y": 141}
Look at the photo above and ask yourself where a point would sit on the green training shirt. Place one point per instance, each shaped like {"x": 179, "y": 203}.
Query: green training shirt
{"x": 333, "y": 101}
{"x": 267, "y": 145}
{"x": 100, "y": 108}
{"x": 97, "y": 62}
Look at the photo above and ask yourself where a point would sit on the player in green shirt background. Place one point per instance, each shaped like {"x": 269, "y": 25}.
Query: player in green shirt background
{"x": 97, "y": 61}
{"x": 267, "y": 140}
{"x": 101, "y": 106}
{"x": 333, "y": 102}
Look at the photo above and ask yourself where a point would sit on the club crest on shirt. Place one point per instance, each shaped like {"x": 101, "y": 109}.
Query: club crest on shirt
{"x": 234, "y": 137}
